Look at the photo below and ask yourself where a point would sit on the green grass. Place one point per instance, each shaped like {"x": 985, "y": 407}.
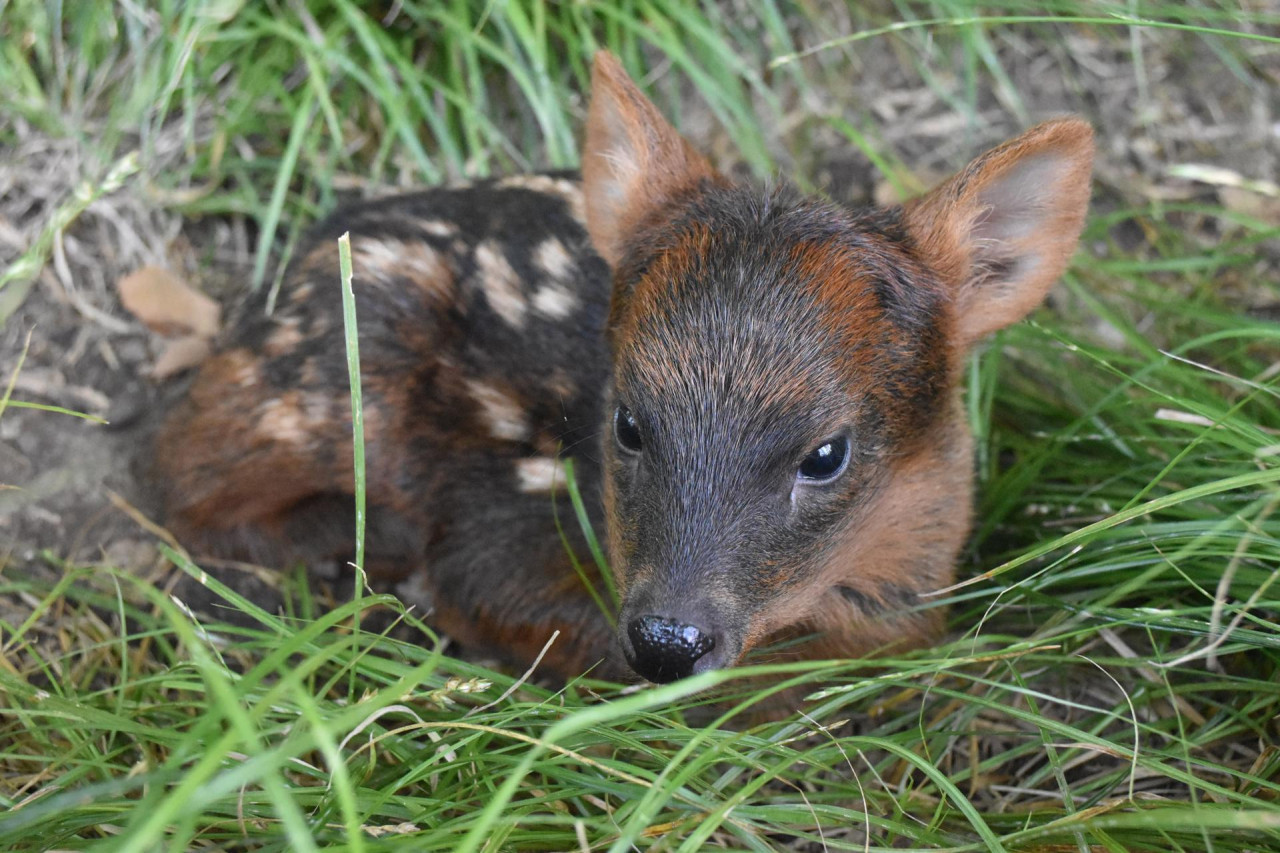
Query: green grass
{"x": 1110, "y": 678}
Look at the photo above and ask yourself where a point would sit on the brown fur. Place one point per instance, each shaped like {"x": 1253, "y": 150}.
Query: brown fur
{"x": 976, "y": 254}
{"x": 741, "y": 330}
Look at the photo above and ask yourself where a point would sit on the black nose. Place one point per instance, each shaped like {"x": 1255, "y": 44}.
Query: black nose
{"x": 666, "y": 649}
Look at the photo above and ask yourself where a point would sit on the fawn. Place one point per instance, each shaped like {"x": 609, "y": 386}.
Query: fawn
{"x": 760, "y": 391}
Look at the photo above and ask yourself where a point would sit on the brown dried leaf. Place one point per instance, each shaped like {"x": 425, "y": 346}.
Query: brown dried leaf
{"x": 180, "y": 354}
{"x": 168, "y": 305}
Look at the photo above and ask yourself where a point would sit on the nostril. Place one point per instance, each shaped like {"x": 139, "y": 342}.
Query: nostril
{"x": 666, "y": 649}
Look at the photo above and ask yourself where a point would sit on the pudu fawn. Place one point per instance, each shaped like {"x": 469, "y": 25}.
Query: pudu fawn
{"x": 760, "y": 392}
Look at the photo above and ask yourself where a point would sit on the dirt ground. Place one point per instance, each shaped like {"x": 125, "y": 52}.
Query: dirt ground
{"x": 88, "y": 354}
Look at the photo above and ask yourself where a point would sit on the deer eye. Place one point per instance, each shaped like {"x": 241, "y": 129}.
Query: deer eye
{"x": 626, "y": 431}
{"x": 826, "y": 462}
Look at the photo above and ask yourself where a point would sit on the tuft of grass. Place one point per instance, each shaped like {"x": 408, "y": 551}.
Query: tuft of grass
{"x": 1110, "y": 677}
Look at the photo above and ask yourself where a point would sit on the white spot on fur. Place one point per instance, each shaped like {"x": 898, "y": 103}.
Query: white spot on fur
{"x": 503, "y": 415}
{"x": 540, "y": 474}
{"x": 302, "y": 292}
{"x": 310, "y": 374}
{"x": 501, "y": 284}
{"x": 296, "y": 417}
{"x": 568, "y": 191}
{"x": 285, "y": 337}
{"x": 374, "y": 258}
{"x": 438, "y": 229}
{"x": 553, "y": 259}
{"x": 318, "y": 407}
{"x": 245, "y": 375}
{"x": 554, "y": 301}
{"x": 561, "y": 384}
{"x": 386, "y": 259}
{"x": 282, "y": 421}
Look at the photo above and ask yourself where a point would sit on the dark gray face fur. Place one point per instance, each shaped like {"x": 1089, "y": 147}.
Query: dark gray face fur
{"x": 728, "y": 383}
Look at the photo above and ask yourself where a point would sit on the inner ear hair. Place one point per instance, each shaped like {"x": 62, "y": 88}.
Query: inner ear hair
{"x": 1001, "y": 232}
{"x": 633, "y": 162}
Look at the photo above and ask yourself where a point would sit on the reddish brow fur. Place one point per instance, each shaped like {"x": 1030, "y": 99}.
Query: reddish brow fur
{"x": 852, "y": 313}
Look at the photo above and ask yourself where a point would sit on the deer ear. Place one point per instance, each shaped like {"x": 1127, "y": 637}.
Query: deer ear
{"x": 633, "y": 161}
{"x": 1002, "y": 230}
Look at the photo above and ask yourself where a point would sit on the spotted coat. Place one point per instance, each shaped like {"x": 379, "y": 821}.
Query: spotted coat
{"x": 760, "y": 392}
